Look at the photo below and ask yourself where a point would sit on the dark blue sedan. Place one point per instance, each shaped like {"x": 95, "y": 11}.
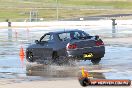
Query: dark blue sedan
{"x": 62, "y": 46}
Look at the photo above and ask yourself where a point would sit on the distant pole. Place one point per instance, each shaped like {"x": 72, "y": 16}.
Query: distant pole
{"x": 113, "y": 28}
{"x": 30, "y": 18}
{"x": 36, "y": 16}
{"x": 57, "y": 10}
{"x": 9, "y": 30}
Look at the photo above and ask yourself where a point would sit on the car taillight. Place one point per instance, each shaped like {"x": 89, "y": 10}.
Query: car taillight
{"x": 98, "y": 43}
{"x": 71, "y": 46}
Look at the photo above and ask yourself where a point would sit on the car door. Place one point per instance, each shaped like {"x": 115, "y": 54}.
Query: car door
{"x": 46, "y": 43}
{"x": 64, "y": 38}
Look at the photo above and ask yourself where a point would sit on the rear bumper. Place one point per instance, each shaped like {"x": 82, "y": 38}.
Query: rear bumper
{"x": 98, "y": 52}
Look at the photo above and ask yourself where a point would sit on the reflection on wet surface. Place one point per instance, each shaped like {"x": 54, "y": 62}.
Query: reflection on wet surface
{"x": 61, "y": 71}
{"x": 116, "y": 63}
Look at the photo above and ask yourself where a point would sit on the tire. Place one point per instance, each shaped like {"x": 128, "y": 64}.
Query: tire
{"x": 95, "y": 61}
{"x": 59, "y": 60}
{"x": 30, "y": 57}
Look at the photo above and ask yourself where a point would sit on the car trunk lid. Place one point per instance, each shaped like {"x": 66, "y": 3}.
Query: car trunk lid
{"x": 86, "y": 43}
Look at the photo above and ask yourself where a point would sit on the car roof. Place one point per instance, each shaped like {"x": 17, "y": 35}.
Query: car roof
{"x": 62, "y": 31}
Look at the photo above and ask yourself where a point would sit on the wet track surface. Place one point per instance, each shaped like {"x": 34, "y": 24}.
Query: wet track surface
{"x": 116, "y": 64}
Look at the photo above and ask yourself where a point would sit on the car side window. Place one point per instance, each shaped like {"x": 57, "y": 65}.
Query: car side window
{"x": 64, "y": 36}
{"x": 76, "y": 34}
{"x": 46, "y": 38}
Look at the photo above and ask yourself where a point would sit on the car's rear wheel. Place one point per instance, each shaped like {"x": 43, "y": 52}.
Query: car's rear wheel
{"x": 95, "y": 60}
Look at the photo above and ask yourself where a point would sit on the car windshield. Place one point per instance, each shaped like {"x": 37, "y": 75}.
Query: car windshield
{"x": 73, "y": 35}
{"x": 46, "y": 38}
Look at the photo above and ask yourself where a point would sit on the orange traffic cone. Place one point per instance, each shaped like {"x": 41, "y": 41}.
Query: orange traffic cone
{"x": 21, "y": 52}
{"x": 22, "y": 58}
{"x": 85, "y": 73}
{"x": 16, "y": 34}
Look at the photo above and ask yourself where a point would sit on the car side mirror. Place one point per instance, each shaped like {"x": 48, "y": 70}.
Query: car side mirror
{"x": 36, "y": 41}
{"x": 96, "y": 37}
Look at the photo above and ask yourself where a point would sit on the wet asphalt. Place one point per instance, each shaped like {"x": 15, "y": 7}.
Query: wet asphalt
{"x": 116, "y": 64}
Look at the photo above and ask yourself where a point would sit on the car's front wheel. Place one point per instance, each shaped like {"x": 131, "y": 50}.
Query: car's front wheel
{"x": 95, "y": 60}
{"x": 30, "y": 57}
